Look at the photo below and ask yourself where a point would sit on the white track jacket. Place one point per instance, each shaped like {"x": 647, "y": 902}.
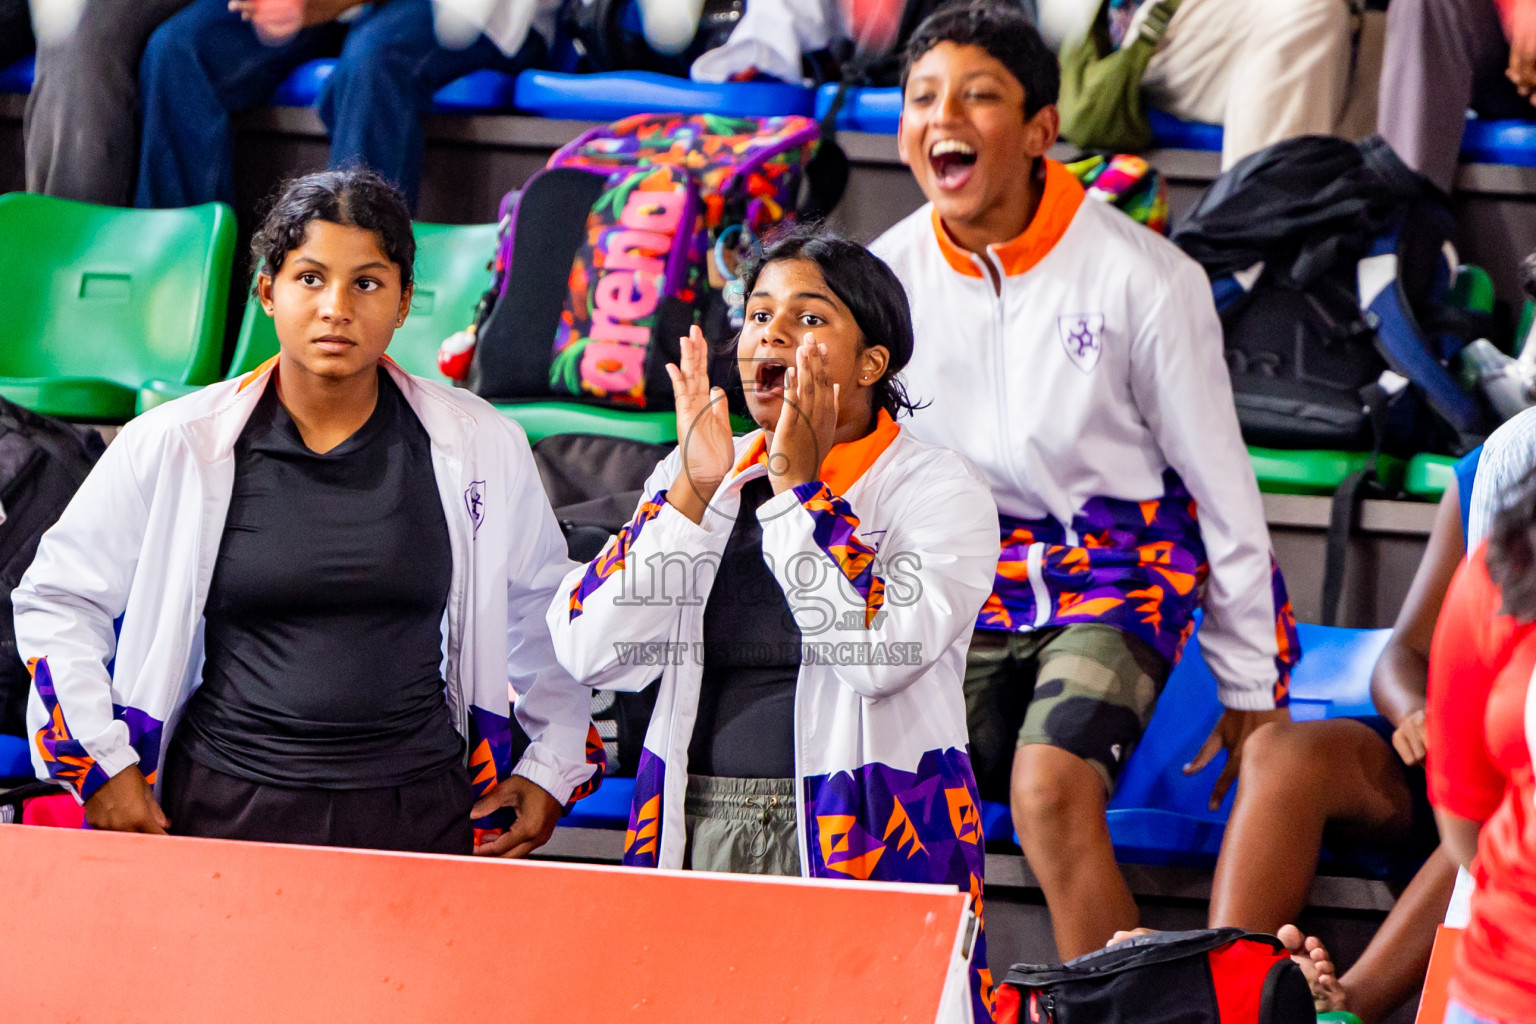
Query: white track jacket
{"x": 110, "y": 615}
{"x": 885, "y": 562}
{"x": 1080, "y": 366}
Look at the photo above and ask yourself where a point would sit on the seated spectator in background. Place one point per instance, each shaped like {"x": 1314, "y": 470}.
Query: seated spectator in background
{"x": 1443, "y": 57}
{"x": 809, "y": 719}
{"x": 278, "y": 554}
{"x": 1365, "y": 791}
{"x": 1077, "y": 358}
{"x": 82, "y": 119}
{"x": 208, "y": 62}
{"x": 1480, "y": 775}
{"x": 1266, "y": 70}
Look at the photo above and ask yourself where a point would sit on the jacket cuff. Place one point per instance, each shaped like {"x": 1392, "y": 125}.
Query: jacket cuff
{"x": 546, "y": 778}
{"x": 1243, "y": 699}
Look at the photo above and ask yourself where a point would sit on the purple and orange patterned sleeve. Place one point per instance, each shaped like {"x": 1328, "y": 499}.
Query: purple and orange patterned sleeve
{"x": 611, "y": 559}
{"x": 834, "y": 531}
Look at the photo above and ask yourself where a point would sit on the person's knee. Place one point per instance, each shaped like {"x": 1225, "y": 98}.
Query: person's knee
{"x": 171, "y": 48}
{"x": 386, "y": 51}
{"x": 1283, "y": 754}
{"x": 1055, "y": 794}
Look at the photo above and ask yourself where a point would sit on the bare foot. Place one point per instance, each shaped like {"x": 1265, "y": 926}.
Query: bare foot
{"x": 1134, "y": 933}
{"x": 1316, "y": 964}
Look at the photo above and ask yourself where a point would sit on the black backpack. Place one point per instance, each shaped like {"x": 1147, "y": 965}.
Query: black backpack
{"x": 594, "y": 483}
{"x": 1212, "y": 976}
{"x": 1330, "y": 264}
{"x": 42, "y": 463}
{"x": 607, "y": 35}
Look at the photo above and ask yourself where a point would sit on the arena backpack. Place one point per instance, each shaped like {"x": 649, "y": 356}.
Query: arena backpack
{"x": 1212, "y": 976}
{"x": 626, "y": 239}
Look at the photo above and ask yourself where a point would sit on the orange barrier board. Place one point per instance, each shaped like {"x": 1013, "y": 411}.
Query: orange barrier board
{"x": 1437, "y": 980}
{"x": 109, "y": 928}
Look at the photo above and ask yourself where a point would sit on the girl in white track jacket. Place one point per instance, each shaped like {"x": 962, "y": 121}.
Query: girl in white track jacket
{"x": 114, "y": 615}
{"x": 866, "y": 569}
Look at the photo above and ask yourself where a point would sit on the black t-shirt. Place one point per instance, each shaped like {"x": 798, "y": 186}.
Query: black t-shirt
{"x": 746, "y": 723}
{"x": 324, "y": 616}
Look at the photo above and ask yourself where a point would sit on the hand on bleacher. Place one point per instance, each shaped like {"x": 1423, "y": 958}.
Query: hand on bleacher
{"x": 279, "y": 20}
{"x": 1231, "y": 733}
{"x": 537, "y": 814}
{"x": 125, "y": 803}
{"x": 1522, "y": 50}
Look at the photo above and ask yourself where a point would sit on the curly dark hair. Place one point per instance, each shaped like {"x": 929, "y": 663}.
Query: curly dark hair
{"x": 861, "y": 280}
{"x": 354, "y": 197}
{"x": 1511, "y": 552}
{"x": 1005, "y": 32}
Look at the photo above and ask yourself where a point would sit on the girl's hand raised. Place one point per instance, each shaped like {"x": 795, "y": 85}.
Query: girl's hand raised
{"x": 807, "y": 427}
{"x": 703, "y": 430}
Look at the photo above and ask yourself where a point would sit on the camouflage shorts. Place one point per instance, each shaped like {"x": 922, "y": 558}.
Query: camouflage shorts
{"x": 1088, "y": 689}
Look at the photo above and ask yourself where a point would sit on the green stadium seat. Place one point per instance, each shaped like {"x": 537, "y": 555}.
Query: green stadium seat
{"x": 1429, "y": 475}
{"x": 1473, "y": 290}
{"x": 104, "y": 300}
{"x": 1317, "y": 472}
{"x": 539, "y": 419}
{"x": 452, "y": 272}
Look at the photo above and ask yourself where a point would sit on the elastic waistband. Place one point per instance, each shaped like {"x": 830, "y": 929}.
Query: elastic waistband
{"x": 740, "y": 799}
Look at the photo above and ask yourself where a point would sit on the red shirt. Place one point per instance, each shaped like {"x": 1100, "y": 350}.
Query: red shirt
{"x": 1479, "y": 765}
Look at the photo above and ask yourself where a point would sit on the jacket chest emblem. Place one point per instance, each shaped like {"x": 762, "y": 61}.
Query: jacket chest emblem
{"x": 474, "y": 503}
{"x": 1082, "y": 335}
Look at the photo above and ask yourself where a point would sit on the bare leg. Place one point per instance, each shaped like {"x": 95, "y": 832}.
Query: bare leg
{"x": 1297, "y": 777}
{"x": 1058, "y": 810}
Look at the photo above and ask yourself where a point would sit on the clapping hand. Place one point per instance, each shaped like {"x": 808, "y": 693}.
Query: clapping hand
{"x": 703, "y": 430}
{"x": 807, "y": 427}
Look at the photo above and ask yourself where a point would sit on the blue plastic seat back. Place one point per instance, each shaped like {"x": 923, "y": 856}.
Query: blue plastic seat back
{"x": 607, "y": 808}
{"x": 15, "y": 758}
{"x": 612, "y": 95}
{"x": 1153, "y": 777}
{"x": 864, "y": 109}
{"x": 1499, "y": 142}
{"x": 1168, "y": 132}
{"x": 17, "y": 77}
{"x": 477, "y": 92}
{"x": 1333, "y": 678}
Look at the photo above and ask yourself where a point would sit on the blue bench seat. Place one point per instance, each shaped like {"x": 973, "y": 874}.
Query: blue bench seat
{"x": 18, "y": 76}
{"x": 1158, "y": 814}
{"x": 611, "y": 95}
{"x": 476, "y": 93}
{"x": 607, "y": 808}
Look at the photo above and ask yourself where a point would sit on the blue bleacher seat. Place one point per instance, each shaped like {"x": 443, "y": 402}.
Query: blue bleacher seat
{"x": 18, "y": 77}
{"x": 607, "y": 808}
{"x": 612, "y": 95}
{"x": 1499, "y": 142}
{"x": 1160, "y": 816}
{"x": 477, "y": 92}
{"x": 1168, "y": 132}
{"x": 15, "y": 758}
{"x": 864, "y": 110}
{"x": 1510, "y": 142}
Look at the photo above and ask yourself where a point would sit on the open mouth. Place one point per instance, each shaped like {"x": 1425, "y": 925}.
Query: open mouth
{"x": 952, "y": 162}
{"x": 770, "y": 377}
